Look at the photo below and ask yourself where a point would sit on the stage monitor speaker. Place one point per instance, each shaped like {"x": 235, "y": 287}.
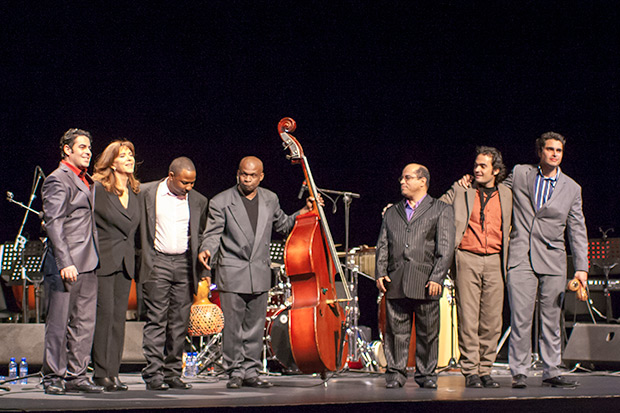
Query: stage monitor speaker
{"x": 598, "y": 344}
{"x": 22, "y": 340}
{"x": 26, "y": 340}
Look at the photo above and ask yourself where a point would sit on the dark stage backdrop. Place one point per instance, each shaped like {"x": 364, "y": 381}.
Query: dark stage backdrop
{"x": 372, "y": 85}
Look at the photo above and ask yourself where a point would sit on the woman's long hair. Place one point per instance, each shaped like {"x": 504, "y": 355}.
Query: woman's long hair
{"x": 103, "y": 167}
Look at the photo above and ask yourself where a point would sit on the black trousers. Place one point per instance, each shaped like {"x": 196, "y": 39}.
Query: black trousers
{"x": 399, "y": 315}
{"x": 112, "y": 297}
{"x": 167, "y": 300}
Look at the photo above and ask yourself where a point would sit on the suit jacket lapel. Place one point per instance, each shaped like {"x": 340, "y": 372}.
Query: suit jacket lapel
{"x": 117, "y": 204}
{"x": 470, "y": 196}
{"x": 194, "y": 219}
{"x": 240, "y": 215}
{"x": 422, "y": 208}
{"x": 80, "y": 185}
{"x": 263, "y": 220}
{"x": 400, "y": 208}
{"x": 559, "y": 185}
{"x": 531, "y": 182}
{"x": 151, "y": 207}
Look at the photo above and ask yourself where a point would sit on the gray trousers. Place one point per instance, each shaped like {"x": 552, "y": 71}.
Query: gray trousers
{"x": 167, "y": 299}
{"x": 399, "y": 319}
{"x": 523, "y": 283}
{"x": 69, "y": 326}
{"x": 242, "y": 338}
{"x": 480, "y": 300}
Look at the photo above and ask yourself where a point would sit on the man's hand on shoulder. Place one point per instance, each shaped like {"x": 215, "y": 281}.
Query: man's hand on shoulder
{"x": 203, "y": 257}
{"x": 69, "y": 273}
{"x": 466, "y": 181}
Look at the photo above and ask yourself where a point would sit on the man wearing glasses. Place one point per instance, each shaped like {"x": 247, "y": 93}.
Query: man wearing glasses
{"x": 414, "y": 253}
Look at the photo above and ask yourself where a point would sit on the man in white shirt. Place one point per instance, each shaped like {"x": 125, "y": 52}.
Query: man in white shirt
{"x": 173, "y": 217}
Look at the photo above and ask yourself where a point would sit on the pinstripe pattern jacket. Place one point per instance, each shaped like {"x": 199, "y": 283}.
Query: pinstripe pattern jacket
{"x": 414, "y": 252}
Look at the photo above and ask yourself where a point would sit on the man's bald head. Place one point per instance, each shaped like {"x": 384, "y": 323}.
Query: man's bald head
{"x": 251, "y": 162}
{"x": 250, "y": 175}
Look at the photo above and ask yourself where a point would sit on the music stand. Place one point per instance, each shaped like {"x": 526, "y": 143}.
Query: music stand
{"x": 23, "y": 266}
{"x": 604, "y": 256}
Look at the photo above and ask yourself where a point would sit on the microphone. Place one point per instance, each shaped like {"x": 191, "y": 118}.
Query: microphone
{"x": 303, "y": 189}
{"x": 9, "y": 195}
{"x": 40, "y": 171}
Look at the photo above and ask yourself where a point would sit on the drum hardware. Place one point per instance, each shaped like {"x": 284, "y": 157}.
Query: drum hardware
{"x": 451, "y": 297}
{"x": 206, "y": 322}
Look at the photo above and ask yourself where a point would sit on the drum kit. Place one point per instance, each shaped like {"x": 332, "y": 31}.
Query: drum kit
{"x": 364, "y": 354}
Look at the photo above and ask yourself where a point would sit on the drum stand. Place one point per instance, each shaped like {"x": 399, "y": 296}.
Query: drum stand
{"x": 210, "y": 354}
{"x": 359, "y": 348}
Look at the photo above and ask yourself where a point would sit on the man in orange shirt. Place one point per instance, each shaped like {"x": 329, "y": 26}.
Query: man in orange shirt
{"x": 482, "y": 215}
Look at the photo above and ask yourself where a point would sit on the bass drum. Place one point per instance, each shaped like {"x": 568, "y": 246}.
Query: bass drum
{"x": 278, "y": 342}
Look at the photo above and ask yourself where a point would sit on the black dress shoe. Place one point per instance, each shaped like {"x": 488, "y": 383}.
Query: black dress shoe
{"x": 429, "y": 384}
{"x": 256, "y": 382}
{"x": 234, "y": 383}
{"x": 177, "y": 383}
{"x": 85, "y": 386}
{"x": 473, "y": 381}
{"x": 560, "y": 381}
{"x": 157, "y": 385}
{"x": 56, "y": 386}
{"x": 106, "y": 383}
{"x": 519, "y": 381}
{"x": 488, "y": 382}
{"x": 393, "y": 384}
{"x": 119, "y": 384}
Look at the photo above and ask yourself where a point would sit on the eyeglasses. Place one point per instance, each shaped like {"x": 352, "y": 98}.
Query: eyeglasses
{"x": 407, "y": 178}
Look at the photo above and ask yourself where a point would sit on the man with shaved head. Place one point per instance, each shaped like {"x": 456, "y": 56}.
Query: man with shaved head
{"x": 172, "y": 219}
{"x": 414, "y": 253}
{"x": 238, "y": 233}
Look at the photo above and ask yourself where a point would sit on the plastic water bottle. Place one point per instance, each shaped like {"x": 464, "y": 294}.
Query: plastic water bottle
{"x": 13, "y": 370}
{"x": 23, "y": 371}
{"x": 195, "y": 364}
{"x": 189, "y": 364}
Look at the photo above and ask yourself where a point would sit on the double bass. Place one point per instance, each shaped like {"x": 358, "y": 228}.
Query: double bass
{"x": 317, "y": 319}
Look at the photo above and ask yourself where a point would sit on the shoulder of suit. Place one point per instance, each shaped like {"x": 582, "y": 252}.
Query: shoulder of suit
{"x": 198, "y": 196}
{"x": 225, "y": 194}
{"x": 266, "y": 193}
{"x": 569, "y": 180}
{"x": 523, "y": 168}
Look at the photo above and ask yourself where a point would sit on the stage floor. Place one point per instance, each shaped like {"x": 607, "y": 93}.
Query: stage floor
{"x": 350, "y": 391}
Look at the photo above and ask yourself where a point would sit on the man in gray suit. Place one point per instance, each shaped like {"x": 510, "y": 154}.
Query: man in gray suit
{"x": 238, "y": 233}
{"x": 171, "y": 223}
{"x": 70, "y": 263}
{"x": 482, "y": 218}
{"x": 547, "y": 204}
{"x": 414, "y": 253}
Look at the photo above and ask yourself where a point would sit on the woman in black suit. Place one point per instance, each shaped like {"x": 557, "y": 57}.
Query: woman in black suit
{"x": 117, "y": 216}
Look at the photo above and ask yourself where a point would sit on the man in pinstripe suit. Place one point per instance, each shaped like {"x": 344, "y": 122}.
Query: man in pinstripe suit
{"x": 414, "y": 252}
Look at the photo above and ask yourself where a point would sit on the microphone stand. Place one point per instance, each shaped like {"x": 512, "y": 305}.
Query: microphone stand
{"x": 358, "y": 347}
{"x": 20, "y": 241}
